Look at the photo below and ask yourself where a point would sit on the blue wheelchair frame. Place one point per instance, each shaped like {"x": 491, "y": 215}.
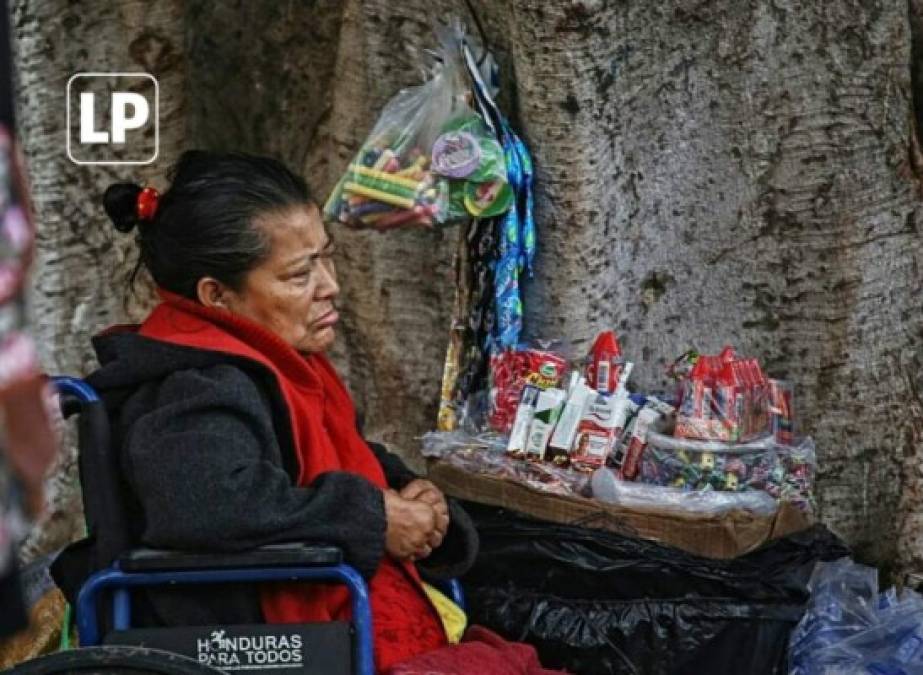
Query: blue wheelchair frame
{"x": 120, "y": 582}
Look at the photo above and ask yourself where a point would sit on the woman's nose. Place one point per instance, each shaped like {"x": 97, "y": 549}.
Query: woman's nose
{"x": 327, "y": 286}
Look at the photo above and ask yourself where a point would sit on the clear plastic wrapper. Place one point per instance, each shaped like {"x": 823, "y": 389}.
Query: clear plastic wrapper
{"x": 785, "y": 472}
{"x": 497, "y": 463}
{"x": 429, "y": 159}
{"x": 606, "y": 487}
{"x": 849, "y": 627}
{"x": 438, "y": 444}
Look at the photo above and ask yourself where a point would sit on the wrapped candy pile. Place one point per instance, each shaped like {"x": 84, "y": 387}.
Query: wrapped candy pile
{"x": 724, "y": 440}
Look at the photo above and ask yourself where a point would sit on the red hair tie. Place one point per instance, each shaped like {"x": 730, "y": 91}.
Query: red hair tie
{"x": 146, "y": 205}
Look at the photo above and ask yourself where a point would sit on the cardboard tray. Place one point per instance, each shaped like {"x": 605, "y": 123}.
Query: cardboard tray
{"x": 723, "y": 536}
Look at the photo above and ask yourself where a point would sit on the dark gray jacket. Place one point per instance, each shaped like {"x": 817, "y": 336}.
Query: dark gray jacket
{"x": 208, "y": 461}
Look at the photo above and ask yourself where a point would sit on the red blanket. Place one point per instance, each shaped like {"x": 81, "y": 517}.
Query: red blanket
{"x": 481, "y": 651}
{"x": 326, "y": 439}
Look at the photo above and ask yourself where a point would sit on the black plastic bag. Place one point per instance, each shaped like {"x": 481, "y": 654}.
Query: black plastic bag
{"x": 597, "y": 602}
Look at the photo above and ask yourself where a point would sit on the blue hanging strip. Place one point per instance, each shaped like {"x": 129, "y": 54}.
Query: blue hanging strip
{"x": 517, "y": 240}
{"x": 527, "y": 220}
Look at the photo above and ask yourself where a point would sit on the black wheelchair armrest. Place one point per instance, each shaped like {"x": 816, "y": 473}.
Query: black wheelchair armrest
{"x": 272, "y": 555}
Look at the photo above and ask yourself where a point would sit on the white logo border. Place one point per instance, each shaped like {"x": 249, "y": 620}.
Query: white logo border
{"x": 67, "y": 130}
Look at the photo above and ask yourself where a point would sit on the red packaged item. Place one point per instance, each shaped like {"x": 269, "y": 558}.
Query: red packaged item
{"x": 510, "y": 372}
{"x": 605, "y": 366}
{"x": 781, "y": 411}
{"x": 631, "y": 463}
{"x": 727, "y": 355}
{"x": 601, "y": 426}
{"x": 758, "y": 419}
{"x": 650, "y": 417}
{"x": 724, "y": 399}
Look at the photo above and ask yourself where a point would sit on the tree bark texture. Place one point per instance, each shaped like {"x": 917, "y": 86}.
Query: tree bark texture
{"x": 79, "y": 274}
{"x": 731, "y": 171}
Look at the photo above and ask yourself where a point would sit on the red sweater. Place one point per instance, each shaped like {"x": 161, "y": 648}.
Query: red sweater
{"x": 326, "y": 439}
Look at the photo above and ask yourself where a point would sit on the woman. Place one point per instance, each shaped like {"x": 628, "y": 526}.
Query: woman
{"x": 234, "y": 428}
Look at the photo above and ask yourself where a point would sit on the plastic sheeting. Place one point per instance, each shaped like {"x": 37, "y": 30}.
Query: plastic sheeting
{"x": 599, "y": 603}
{"x": 850, "y": 627}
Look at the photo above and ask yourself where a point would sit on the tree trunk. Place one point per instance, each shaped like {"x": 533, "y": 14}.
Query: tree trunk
{"x": 708, "y": 172}
{"x": 80, "y": 272}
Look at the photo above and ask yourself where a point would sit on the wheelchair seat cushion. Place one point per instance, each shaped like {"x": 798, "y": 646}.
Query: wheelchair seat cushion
{"x": 271, "y": 555}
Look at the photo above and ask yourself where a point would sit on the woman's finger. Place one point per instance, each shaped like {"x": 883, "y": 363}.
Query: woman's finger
{"x": 440, "y": 507}
{"x": 435, "y": 540}
{"x": 415, "y": 488}
{"x": 442, "y": 524}
{"x": 431, "y": 496}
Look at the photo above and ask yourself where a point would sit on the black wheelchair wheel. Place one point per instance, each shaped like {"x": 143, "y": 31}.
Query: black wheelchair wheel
{"x": 113, "y": 659}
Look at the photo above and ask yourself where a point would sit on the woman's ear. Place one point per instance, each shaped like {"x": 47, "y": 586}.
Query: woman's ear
{"x": 211, "y": 293}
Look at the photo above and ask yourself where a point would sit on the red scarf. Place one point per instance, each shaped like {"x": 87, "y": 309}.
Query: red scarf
{"x": 326, "y": 439}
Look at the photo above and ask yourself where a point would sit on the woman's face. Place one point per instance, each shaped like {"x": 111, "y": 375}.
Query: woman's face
{"x": 293, "y": 290}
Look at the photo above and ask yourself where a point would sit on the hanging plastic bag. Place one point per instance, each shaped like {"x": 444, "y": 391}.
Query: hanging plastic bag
{"x": 430, "y": 158}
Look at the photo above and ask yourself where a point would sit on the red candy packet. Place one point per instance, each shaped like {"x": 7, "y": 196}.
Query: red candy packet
{"x": 510, "y": 372}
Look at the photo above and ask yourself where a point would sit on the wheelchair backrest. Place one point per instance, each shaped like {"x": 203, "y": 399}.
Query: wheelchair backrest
{"x": 104, "y": 494}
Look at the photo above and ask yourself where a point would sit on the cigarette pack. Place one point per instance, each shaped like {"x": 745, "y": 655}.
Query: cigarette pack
{"x": 563, "y": 437}
{"x": 638, "y": 441}
{"x": 523, "y": 421}
{"x": 599, "y": 429}
{"x": 548, "y": 408}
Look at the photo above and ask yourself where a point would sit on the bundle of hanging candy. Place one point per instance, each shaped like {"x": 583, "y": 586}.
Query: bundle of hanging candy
{"x": 442, "y": 152}
{"x": 439, "y": 153}
{"x": 728, "y": 428}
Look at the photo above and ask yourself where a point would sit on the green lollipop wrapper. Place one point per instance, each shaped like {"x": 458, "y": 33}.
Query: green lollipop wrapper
{"x": 488, "y": 199}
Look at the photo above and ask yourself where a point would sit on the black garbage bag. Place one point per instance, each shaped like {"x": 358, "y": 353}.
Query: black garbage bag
{"x": 601, "y": 603}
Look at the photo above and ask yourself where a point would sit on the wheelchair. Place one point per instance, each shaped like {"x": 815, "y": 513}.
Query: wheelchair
{"x": 103, "y": 606}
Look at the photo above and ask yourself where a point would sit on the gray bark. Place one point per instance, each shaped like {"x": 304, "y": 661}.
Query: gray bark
{"x": 708, "y": 172}
{"x": 80, "y": 271}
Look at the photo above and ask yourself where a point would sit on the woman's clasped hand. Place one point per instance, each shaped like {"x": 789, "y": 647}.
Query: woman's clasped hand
{"x": 417, "y": 520}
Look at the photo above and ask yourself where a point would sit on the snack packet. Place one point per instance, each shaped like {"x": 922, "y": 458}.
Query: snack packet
{"x": 510, "y": 371}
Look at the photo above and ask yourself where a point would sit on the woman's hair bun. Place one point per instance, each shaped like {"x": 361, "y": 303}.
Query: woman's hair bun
{"x": 121, "y": 204}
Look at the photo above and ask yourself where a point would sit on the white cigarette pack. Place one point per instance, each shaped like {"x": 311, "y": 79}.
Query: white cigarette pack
{"x": 547, "y": 410}
{"x": 566, "y": 429}
{"x": 524, "y": 413}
